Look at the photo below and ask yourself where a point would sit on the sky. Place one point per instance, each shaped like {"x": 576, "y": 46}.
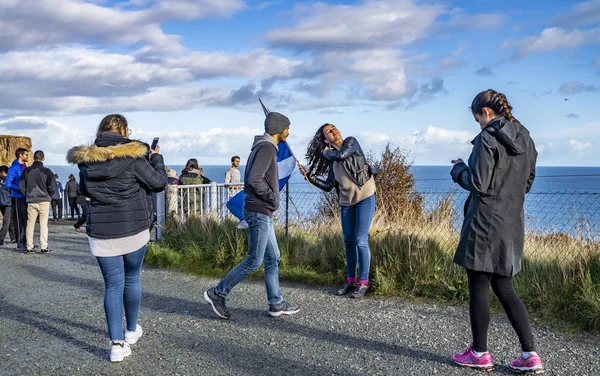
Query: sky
{"x": 402, "y": 72}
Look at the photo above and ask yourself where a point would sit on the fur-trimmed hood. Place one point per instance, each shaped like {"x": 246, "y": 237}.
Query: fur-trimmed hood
{"x": 111, "y": 154}
{"x": 86, "y": 154}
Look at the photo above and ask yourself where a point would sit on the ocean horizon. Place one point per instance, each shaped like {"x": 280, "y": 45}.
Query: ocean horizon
{"x": 427, "y": 177}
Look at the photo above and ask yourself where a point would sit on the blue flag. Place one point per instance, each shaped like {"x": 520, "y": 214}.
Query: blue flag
{"x": 285, "y": 166}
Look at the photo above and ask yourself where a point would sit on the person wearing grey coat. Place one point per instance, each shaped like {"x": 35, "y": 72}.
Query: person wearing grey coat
{"x": 500, "y": 171}
{"x": 71, "y": 190}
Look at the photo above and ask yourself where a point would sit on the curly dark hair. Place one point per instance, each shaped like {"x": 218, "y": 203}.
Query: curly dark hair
{"x": 317, "y": 163}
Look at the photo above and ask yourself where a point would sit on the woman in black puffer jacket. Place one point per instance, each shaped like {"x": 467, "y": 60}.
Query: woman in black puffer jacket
{"x": 119, "y": 178}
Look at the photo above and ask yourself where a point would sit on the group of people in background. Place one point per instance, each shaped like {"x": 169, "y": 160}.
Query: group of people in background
{"x": 31, "y": 189}
{"x": 119, "y": 175}
{"x": 27, "y": 193}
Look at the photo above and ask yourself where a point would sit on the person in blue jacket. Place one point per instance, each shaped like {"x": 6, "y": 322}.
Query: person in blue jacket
{"x": 19, "y": 204}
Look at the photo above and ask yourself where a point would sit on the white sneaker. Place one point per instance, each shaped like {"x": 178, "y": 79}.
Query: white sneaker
{"x": 132, "y": 337}
{"x": 119, "y": 350}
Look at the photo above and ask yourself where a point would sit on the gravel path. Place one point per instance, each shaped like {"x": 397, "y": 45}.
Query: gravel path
{"x": 52, "y": 323}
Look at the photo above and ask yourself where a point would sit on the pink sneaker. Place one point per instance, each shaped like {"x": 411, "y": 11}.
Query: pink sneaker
{"x": 533, "y": 364}
{"x": 468, "y": 359}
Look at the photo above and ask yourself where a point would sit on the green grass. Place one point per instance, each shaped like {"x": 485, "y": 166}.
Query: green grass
{"x": 409, "y": 261}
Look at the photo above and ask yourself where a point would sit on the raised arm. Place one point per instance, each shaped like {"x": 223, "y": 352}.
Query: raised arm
{"x": 151, "y": 174}
{"x": 349, "y": 147}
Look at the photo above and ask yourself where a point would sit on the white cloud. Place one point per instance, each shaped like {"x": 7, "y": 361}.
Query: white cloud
{"x": 579, "y": 147}
{"x": 555, "y": 38}
{"x": 432, "y": 145}
{"x": 55, "y": 138}
{"x": 456, "y": 58}
{"x": 383, "y": 71}
{"x": 574, "y": 87}
{"x": 584, "y": 13}
{"x": 369, "y": 24}
{"x": 32, "y": 23}
{"x": 51, "y": 136}
{"x": 256, "y": 63}
{"x": 78, "y": 80}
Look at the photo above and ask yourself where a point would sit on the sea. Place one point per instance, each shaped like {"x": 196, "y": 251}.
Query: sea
{"x": 562, "y": 199}
{"x": 549, "y": 179}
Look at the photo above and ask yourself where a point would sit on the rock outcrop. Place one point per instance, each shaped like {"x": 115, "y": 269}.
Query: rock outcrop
{"x": 10, "y": 144}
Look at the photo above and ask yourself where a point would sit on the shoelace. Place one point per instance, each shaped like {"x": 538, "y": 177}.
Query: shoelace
{"x": 224, "y": 303}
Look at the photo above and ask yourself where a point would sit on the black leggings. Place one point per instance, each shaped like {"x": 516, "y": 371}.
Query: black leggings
{"x": 81, "y": 221}
{"x": 479, "y": 308}
{"x": 74, "y": 207}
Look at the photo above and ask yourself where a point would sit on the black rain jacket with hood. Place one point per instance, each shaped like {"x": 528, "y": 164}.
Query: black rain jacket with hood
{"x": 500, "y": 172}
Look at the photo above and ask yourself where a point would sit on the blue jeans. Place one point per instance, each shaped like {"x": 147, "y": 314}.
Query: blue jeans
{"x": 356, "y": 222}
{"x": 122, "y": 288}
{"x": 262, "y": 244}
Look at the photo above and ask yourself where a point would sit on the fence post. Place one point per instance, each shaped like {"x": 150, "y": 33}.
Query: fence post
{"x": 287, "y": 208}
{"x": 160, "y": 214}
{"x": 65, "y": 206}
{"x": 214, "y": 198}
{"x": 172, "y": 202}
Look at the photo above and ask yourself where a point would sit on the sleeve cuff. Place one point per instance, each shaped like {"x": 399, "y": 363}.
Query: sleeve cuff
{"x": 457, "y": 170}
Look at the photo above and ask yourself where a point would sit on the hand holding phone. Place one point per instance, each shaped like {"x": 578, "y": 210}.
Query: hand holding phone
{"x": 154, "y": 146}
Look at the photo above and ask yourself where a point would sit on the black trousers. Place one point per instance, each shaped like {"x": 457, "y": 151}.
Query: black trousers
{"x": 19, "y": 212}
{"x": 479, "y": 308}
{"x": 57, "y": 209}
{"x": 81, "y": 221}
{"x": 74, "y": 207}
{"x": 7, "y": 223}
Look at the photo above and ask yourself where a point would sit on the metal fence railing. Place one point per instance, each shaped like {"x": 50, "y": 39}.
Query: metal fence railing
{"x": 558, "y": 225}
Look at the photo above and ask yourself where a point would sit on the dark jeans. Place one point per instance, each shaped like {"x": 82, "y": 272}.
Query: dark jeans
{"x": 479, "y": 308}
{"x": 122, "y": 290}
{"x": 74, "y": 207}
{"x": 7, "y": 223}
{"x": 356, "y": 222}
{"x": 57, "y": 209}
{"x": 19, "y": 213}
{"x": 262, "y": 245}
{"x": 81, "y": 221}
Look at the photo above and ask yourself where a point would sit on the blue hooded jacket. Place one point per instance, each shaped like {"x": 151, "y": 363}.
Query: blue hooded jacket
{"x": 12, "y": 179}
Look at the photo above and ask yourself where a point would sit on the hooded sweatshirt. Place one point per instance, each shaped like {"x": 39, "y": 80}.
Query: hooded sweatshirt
{"x": 261, "y": 178}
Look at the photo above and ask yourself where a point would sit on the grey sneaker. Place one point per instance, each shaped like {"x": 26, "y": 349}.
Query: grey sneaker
{"x": 360, "y": 291}
{"x": 218, "y": 303}
{"x": 346, "y": 288}
{"x": 283, "y": 308}
{"x": 45, "y": 250}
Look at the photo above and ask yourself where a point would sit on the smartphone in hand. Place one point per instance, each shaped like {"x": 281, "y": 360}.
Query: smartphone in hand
{"x": 154, "y": 143}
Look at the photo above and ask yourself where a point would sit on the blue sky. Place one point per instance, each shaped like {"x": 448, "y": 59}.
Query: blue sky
{"x": 402, "y": 72}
